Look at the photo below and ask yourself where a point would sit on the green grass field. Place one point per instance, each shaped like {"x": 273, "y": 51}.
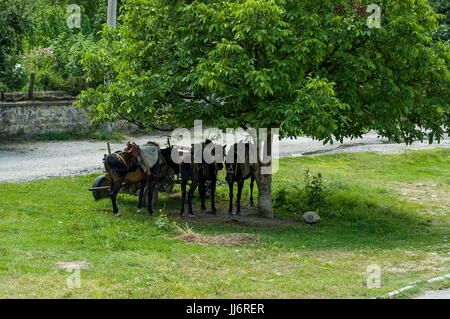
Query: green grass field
{"x": 389, "y": 210}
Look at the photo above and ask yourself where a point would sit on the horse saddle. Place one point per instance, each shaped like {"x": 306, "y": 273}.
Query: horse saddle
{"x": 147, "y": 155}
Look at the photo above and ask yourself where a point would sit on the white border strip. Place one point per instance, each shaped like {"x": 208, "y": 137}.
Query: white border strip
{"x": 396, "y": 292}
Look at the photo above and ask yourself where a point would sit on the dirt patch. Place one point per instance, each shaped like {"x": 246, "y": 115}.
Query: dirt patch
{"x": 188, "y": 235}
{"x": 249, "y": 218}
{"x": 432, "y": 262}
{"x": 433, "y": 195}
{"x": 77, "y": 264}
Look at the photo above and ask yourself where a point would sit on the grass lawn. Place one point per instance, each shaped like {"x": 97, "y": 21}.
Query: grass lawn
{"x": 388, "y": 210}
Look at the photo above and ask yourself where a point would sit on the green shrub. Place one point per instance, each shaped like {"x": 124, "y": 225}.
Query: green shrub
{"x": 280, "y": 198}
{"x": 80, "y": 134}
{"x": 103, "y": 136}
{"x": 39, "y": 59}
{"x": 14, "y": 25}
{"x": 55, "y": 136}
{"x": 57, "y": 66}
{"x": 313, "y": 194}
{"x": 12, "y": 74}
{"x": 3, "y": 87}
{"x": 74, "y": 85}
{"x": 48, "y": 81}
{"x": 162, "y": 222}
{"x": 310, "y": 196}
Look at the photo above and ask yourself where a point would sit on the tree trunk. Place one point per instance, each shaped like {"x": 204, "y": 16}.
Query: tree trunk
{"x": 264, "y": 179}
{"x": 264, "y": 182}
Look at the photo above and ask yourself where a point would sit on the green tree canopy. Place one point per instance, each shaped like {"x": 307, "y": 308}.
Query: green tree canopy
{"x": 13, "y": 27}
{"x": 442, "y": 7}
{"x": 306, "y": 67}
{"x": 49, "y": 20}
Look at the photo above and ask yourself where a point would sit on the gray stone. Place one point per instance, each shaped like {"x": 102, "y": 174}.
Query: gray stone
{"x": 311, "y": 217}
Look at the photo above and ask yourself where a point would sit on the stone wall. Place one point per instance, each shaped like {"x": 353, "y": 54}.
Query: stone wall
{"x": 35, "y": 117}
{"x": 41, "y": 117}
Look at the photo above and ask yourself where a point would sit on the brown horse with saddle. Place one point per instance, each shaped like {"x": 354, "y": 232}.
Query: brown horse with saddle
{"x": 146, "y": 166}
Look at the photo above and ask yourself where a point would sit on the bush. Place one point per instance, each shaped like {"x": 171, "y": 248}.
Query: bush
{"x": 313, "y": 194}
{"x": 14, "y": 24}
{"x": 80, "y": 134}
{"x": 74, "y": 85}
{"x": 12, "y": 75}
{"x": 48, "y": 81}
{"x": 3, "y": 87}
{"x": 162, "y": 222}
{"x": 57, "y": 67}
{"x": 280, "y": 199}
{"x": 38, "y": 59}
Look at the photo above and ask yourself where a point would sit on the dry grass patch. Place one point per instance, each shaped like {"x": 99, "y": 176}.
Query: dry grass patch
{"x": 188, "y": 235}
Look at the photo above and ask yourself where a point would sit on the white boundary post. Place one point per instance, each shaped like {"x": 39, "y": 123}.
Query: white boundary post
{"x": 112, "y": 13}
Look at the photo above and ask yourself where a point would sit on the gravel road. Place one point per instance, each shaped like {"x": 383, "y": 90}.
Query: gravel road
{"x": 34, "y": 160}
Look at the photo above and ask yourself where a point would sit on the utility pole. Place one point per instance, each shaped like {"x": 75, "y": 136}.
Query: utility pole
{"x": 111, "y": 20}
{"x": 112, "y": 13}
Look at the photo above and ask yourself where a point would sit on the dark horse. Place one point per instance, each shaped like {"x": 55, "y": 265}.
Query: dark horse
{"x": 239, "y": 169}
{"x": 198, "y": 174}
{"x": 123, "y": 167}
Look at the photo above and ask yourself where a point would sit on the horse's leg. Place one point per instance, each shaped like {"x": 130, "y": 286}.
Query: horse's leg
{"x": 202, "y": 191}
{"x": 183, "y": 196}
{"x": 151, "y": 189}
{"x": 238, "y": 197}
{"x": 115, "y": 188}
{"x": 141, "y": 196}
{"x": 213, "y": 193}
{"x": 191, "y": 195}
{"x": 252, "y": 182}
{"x": 230, "y": 192}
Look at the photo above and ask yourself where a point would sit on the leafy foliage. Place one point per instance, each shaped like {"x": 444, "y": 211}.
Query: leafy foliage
{"x": 307, "y": 69}
{"x": 50, "y": 29}
{"x": 310, "y": 196}
{"x": 38, "y": 59}
{"x": 442, "y": 7}
{"x": 313, "y": 193}
{"x": 13, "y": 25}
{"x": 163, "y": 223}
{"x": 49, "y": 19}
{"x": 32, "y": 25}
